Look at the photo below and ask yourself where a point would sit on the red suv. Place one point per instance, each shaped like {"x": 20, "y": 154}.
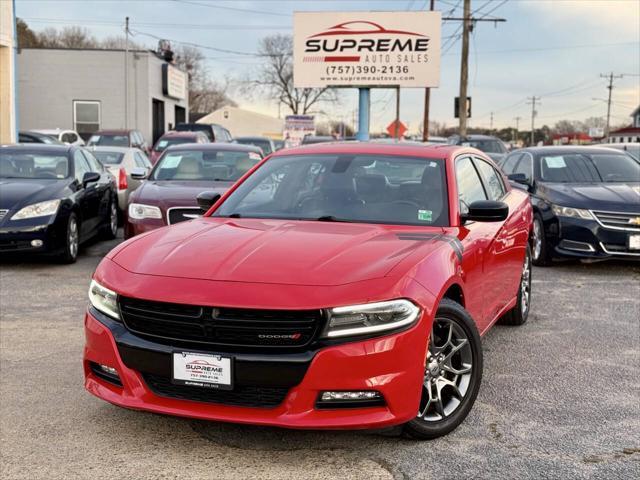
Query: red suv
{"x": 333, "y": 286}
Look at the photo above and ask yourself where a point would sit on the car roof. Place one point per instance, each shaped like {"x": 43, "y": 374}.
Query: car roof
{"x": 252, "y": 138}
{"x": 40, "y": 147}
{"x": 99, "y": 148}
{"x": 49, "y": 131}
{"x": 235, "y": 147}
{"x": 113, "y": 132}
{"x": 409, "y": 149}
{"x": 477, "y": 137}
{"x": 183, "y": 134}
{"x": 560, "y": 149}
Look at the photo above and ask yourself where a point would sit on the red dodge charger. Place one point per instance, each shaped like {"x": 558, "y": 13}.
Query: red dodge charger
{"x": 334, "y": 286}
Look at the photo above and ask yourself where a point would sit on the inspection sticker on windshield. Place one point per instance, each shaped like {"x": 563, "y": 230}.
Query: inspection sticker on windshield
{"x": 425, "y": 215}
{"x": 555, "y": 162}
{"x": 202, "y": 370}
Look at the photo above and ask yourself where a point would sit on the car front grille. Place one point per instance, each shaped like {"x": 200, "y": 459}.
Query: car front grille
{"x": 221, "y": 326}
{"x": 618, "y": 220}
{"x": 240, "y": 396}
{"x": 3, "y": 213}
{"x": 182, "y": 214}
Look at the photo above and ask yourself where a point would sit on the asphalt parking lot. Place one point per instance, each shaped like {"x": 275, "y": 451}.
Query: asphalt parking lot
{"x": 560, "y": 397}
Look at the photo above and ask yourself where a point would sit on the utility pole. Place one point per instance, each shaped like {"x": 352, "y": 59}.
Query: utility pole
{"x": 611, "y": 76}
{"x": 517, "y": 119}
{"x": 427, "y": 99}
{"x": 532, "y": 102}
{"x": 397, "y": 129}
{"x": 491, "y": 122}
{"x": 464, "y": 68}
{"x": 126, "y": 73}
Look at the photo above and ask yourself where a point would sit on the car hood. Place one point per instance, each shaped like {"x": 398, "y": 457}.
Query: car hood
{"x": 167, "y": 194}
{"x": 614, "y": 197}
{"x": 275, "y": 251}
{"x": 16, "y": 193}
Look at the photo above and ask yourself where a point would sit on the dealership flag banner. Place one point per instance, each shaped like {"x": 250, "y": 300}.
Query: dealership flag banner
{"x": 366, "y": 49}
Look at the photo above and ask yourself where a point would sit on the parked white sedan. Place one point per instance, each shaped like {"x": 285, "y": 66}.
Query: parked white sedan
{"x": 70, "y": 137}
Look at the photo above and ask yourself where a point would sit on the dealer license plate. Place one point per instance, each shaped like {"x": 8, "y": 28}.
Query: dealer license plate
{"x": 634, "y": 242}
{"x": 203, "y": 370}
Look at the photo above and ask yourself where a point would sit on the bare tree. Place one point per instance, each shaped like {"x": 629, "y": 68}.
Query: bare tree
{"x": 276, "y": 77}
{"x": 118, "y": 43}
{"x": 205, "y": 95}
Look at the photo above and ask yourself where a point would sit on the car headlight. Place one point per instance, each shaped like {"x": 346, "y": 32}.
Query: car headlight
{"x": 571, "y": 212}
{"x": 104, "y": 300}
{"x": 42, "y": 209}
{"x": 139, "y": 211}
{"x": 370, "y": 318}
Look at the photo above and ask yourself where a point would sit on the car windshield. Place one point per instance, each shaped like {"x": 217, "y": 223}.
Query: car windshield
{"x": 163, "y": 143}
{"x": 487, "y": 146}
{"x": 31, "y": 164}
{"x": 591, "y": 168}
{"x": 211, "y": 165}
{"x": 109, "y": 158}
{"x": 109, "y": 140}
{"x": 264, "y": 145}
{"x": 345, "y": 188}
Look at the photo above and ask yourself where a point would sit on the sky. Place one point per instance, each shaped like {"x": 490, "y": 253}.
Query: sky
{"x": 553, "y": 49}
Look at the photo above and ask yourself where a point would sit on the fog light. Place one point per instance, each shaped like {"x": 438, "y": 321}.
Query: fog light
{"x": 350, "y": 399}
{"x": 106, "y": 373}
{"x": 37, "y": 243}
{"x": 109, "y": 370}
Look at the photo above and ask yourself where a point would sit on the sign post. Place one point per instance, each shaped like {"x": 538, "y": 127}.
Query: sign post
{"x": 365, "y": 50}
{"x": 364, "y": 104}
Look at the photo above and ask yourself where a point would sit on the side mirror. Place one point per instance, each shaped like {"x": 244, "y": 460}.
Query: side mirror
{"x": 520, "y": 178}
{"x": 207, "y": 199}
{"x": 486, "y": 211}
{"x": 139, "y": 173}
{"x": 90, "y": 177}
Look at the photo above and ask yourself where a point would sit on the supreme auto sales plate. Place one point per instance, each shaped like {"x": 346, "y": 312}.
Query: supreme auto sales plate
{"x": 203, "y": 370}
{"x": 634, "y": 242}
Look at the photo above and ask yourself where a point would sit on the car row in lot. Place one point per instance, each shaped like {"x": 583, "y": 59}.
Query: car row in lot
{"x": 333, "y": 286}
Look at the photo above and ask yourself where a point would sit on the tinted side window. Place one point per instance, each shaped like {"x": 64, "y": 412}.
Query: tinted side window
{"x": 80, "y": 165}
{"x": 470, "y": 187}
{"x": 525, "y": 165}
{"x": 492, "y": 180}
{"x": 510, "y": 163}
{"x": 94, "y": 163}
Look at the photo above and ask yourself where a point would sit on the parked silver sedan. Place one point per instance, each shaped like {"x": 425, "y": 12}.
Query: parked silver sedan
{"x": 120, "y": 161}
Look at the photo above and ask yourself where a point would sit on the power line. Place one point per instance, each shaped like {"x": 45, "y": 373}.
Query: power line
{"x": 234, "y": 9}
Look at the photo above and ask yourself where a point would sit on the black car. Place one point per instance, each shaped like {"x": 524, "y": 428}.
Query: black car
{"x": 492, "y": 146}
{"x": 586, "y": 201}
{"x": 53, "y": 198}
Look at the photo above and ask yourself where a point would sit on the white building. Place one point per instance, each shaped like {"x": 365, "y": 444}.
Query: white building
{"x": 630, "y": 134}
{"x": 245, "y": 123}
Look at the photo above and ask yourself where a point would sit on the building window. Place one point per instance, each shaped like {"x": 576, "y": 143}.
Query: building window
{"x": 86, "y": 117}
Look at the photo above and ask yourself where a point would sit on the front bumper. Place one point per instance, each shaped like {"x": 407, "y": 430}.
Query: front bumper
{"x": 580, "y": 238}
{"x": 134, "y": 227}
{"x": 392, "y": 365}
{"x": 17, "y": 236}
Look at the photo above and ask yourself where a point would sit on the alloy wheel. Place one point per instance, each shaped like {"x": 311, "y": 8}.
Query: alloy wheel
{"x": 73, "y": 238}
{"x": 113, "y": 219}
{"x": 448, "y": 371}
{"x": 537, "y": 239}
{"x": 525, "y": 285}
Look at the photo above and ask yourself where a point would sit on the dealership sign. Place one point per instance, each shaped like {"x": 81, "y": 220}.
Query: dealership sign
{"x": 359, "y": 49}
{"x": 174, "y": 82}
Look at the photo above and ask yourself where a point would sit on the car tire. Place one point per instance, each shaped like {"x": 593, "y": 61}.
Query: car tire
{"x": 519, "y": 314}
{"x": 72, "y": 240}
{"x": 442, "y": 413}
{"x": 110, "y": 230}
{"x": 539, "y": 250}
